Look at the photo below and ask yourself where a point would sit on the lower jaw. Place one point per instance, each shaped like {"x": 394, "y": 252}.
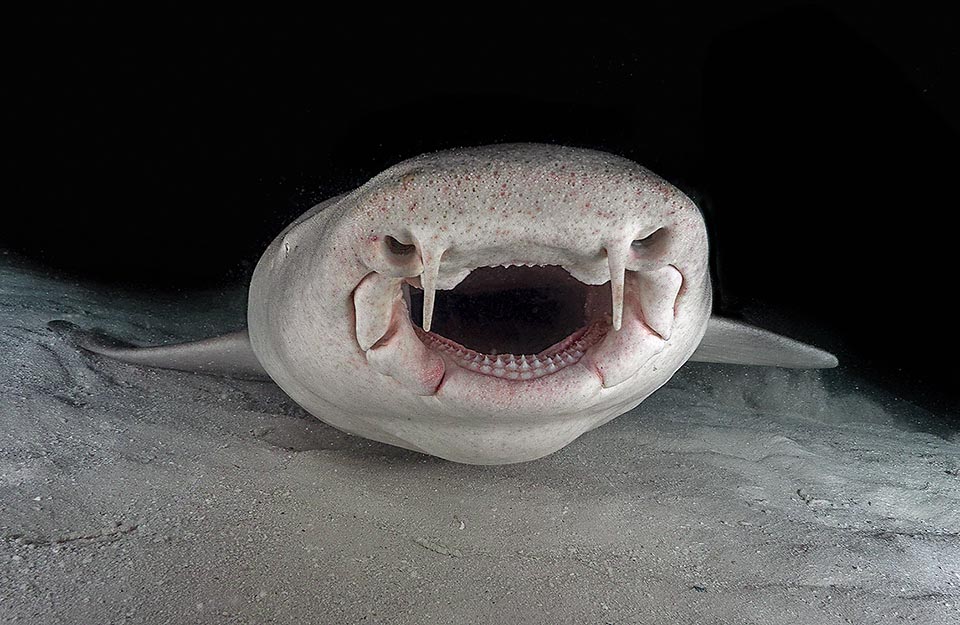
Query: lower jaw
{"x": 523, "y": 367}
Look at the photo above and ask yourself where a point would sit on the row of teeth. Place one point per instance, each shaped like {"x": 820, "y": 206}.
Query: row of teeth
{"x": 519, "y": 265}
{"x": 510, "y": 366}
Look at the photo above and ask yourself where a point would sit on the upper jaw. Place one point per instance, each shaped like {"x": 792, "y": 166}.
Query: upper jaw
{"x": 612, "y": 347}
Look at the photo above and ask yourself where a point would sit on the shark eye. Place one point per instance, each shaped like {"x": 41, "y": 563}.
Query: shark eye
{"x": 397, "y": 248}
{"x": 648, "y": 241}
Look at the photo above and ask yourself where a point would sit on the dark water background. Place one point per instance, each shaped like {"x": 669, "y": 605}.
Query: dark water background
{"x": 163, "y": 149}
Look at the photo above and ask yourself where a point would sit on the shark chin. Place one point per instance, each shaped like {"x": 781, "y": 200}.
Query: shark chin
{"x": 485, "y": 305}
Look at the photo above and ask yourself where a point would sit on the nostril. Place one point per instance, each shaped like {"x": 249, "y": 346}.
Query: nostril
{"x": 397, "y": 248}
{"x": 648, "y": 241}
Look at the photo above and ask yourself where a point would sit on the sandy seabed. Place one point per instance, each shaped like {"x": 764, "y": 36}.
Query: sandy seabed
{"x": 732, "y": 495}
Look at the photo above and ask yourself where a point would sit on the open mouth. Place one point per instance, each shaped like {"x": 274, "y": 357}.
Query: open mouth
{"x": 514, "y": 322}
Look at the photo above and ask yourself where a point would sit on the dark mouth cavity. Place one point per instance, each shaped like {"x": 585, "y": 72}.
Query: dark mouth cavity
{"x": 512, "y": 310}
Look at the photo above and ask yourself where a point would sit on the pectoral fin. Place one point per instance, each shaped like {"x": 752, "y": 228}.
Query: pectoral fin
{"x": 227, "y": 354}
{"x": 733, "y": 342}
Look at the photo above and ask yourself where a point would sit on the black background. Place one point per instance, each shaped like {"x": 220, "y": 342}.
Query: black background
{"x": 164, "y": 149}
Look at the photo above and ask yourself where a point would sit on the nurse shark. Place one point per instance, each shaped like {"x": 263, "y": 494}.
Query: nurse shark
{"x": 485, "y": 305}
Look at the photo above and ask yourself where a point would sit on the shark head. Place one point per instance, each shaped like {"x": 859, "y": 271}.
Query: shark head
{"x": 486, "y": 305}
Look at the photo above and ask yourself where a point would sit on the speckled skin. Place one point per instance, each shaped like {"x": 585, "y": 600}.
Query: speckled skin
{"x": 464, "y": 209}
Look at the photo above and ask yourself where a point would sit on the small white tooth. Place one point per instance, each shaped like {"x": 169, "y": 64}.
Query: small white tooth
{"x": 551, "y": 367}
{"x": 486, "y": 368}
{"x": 431, "y": 267}
{"x": 526, "y": 375}
{"x": 524, "y": 366}
{"x": 617, "y": 265}
{"x": 658, "y": 296}
{"x": 513, "y": 375}
{"x": 537, "y": 363}
{"x": 486, "y": 360}
{"x": 512, "y": 366}
{"x": 499, "y": 373}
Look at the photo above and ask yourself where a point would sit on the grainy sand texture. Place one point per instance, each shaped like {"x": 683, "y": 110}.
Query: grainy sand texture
{"x": 732, "y": 495}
